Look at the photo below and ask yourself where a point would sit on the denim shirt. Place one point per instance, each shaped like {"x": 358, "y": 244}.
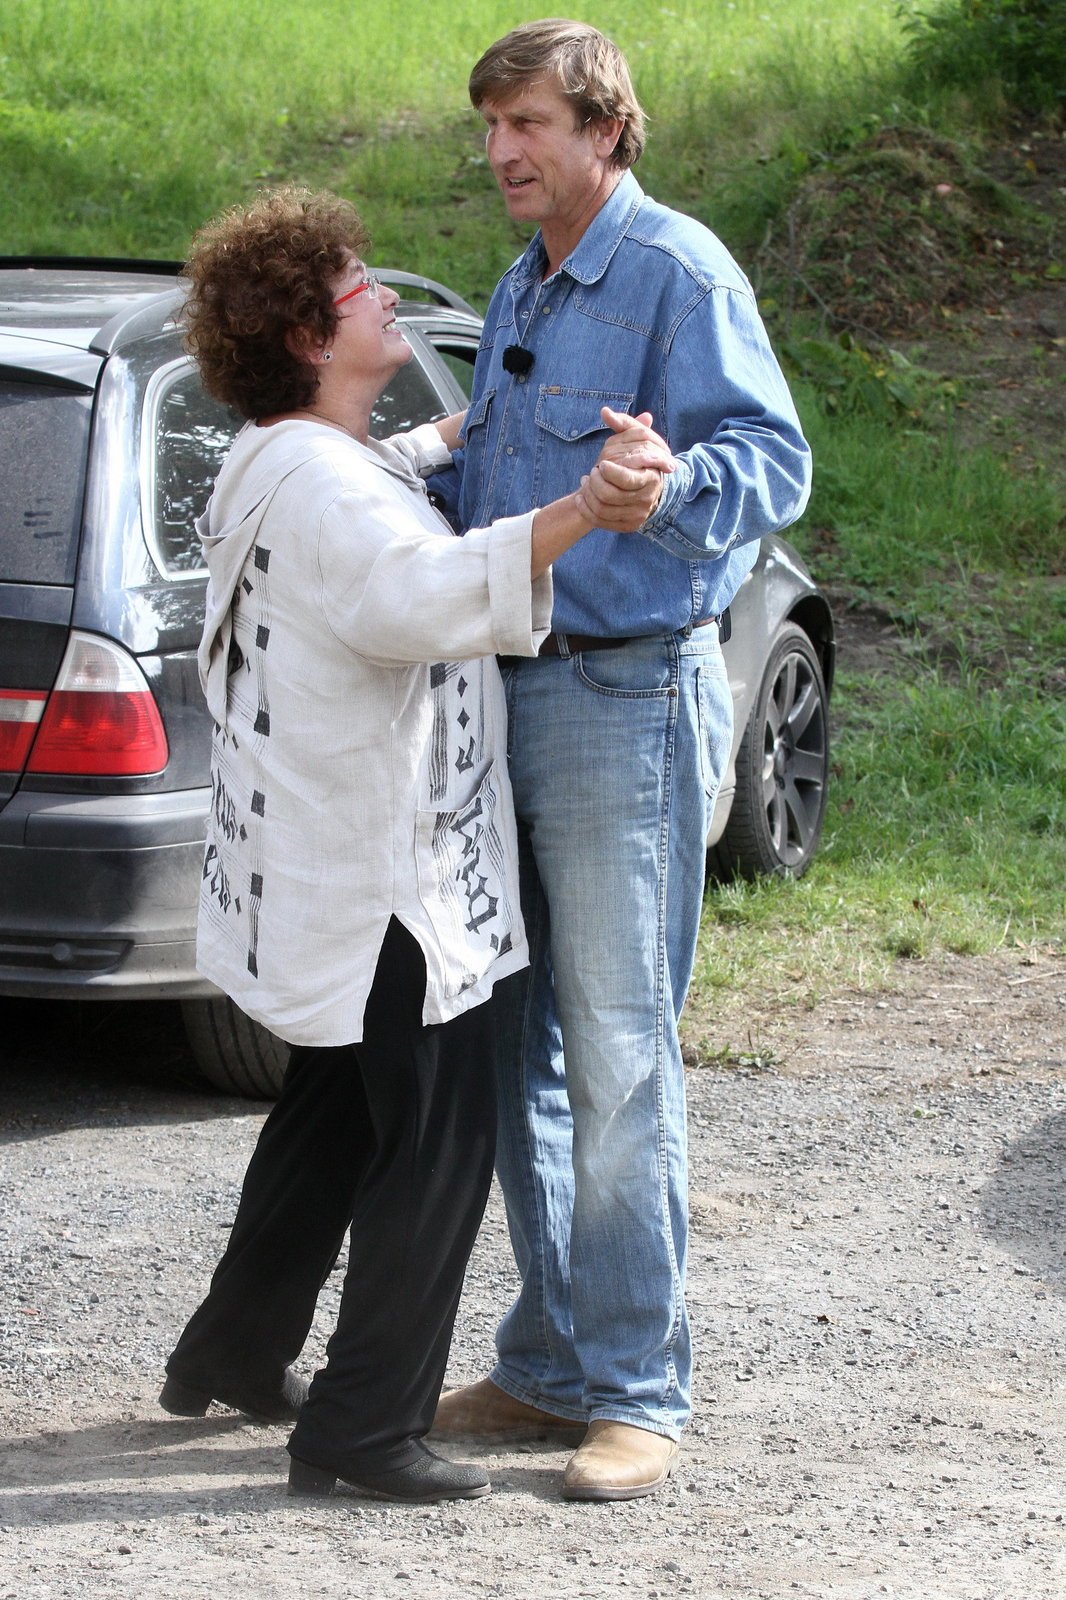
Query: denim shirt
{"x": 648, "y": 313}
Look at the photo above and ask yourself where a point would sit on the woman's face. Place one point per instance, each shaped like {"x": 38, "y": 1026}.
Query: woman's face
{"x": 368, "y": 340}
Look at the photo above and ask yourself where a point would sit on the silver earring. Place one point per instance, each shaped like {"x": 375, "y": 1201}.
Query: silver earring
{"x": 327, "y": 355}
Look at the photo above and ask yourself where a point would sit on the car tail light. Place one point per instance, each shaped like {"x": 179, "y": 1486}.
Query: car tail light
{"x": 101, "y": 719}
{"x": 20, "y": 712}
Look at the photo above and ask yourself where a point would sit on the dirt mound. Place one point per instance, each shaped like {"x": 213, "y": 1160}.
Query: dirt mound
{"x": 908, "y": 226}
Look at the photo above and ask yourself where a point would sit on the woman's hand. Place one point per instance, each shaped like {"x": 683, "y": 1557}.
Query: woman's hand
{"x": 633, "y": 440}
{"x": 449, "y": 428}
{"x": 623, "y": 488}
{"x": 620, "y": 493}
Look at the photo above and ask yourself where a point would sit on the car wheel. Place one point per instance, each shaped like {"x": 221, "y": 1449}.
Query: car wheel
{"x": 234, "y": 1053}
{"x": 782, "y": 768}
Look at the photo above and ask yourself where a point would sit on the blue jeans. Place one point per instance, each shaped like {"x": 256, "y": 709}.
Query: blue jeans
{"x": 615, "y": 756}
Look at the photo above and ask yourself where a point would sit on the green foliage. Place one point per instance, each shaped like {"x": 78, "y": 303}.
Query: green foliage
{"x": 975, "y": 44}
{"x": 847, "y": 380}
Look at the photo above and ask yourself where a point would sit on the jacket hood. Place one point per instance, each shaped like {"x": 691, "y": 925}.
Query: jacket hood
{"x": 259, "y": 461}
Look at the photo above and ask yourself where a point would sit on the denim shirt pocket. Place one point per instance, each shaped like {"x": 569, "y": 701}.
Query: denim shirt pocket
{"x": 475, "y": 436}
{"x": 570, "y": 433}
{"x": 572, "y": 414}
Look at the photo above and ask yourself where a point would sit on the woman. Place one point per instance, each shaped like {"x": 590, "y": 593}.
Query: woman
{"x": 359, "y": 892}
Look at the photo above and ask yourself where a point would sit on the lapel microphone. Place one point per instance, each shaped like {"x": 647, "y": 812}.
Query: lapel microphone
{"x": 515, "y": 359}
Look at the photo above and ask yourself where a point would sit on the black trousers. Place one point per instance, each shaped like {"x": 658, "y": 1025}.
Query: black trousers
{"x": 393, "y": 1138}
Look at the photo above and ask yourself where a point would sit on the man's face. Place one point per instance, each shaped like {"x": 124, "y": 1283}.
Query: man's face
{"x": 549, "y": 170}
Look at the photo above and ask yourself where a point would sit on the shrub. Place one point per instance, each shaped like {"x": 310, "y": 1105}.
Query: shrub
{"x": 1019, "y": 43}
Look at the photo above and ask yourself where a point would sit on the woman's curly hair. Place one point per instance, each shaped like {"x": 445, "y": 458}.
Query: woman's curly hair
{"x": 256, "y": 274}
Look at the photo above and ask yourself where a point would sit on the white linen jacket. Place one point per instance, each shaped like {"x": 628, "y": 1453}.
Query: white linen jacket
{"x": 358, "y": 765}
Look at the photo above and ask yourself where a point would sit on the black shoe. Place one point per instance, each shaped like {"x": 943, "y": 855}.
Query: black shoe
{"x": 424, "y": 1480}
{"x": 283, "y": 1405}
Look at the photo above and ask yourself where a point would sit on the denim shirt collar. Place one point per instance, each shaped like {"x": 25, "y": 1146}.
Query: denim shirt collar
{"x": 591, "y": 257}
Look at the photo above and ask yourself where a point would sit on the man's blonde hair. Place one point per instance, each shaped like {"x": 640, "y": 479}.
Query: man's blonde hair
{"x": 590, "y": 71}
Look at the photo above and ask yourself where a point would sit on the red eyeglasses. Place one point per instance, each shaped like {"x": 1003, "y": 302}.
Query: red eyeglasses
{"x": 371, "y": 283}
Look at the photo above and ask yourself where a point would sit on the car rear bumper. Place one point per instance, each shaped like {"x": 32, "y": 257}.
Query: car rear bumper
{"x": 98, "y": 894}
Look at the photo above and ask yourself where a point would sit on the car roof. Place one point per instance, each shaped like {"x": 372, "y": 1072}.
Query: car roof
{"x": 100, "y": 304}
{"x": 69, "y": 304}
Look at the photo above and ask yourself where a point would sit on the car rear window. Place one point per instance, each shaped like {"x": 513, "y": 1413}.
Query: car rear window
{"x": 44, "y": 441}
{"x": 192, "y": 434}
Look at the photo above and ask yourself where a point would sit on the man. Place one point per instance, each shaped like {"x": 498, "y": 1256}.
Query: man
{"x": 619, "y": 734}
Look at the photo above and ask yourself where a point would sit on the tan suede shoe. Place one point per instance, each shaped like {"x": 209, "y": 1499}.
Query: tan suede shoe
{"x": 618, "y": 1462}
{"x": 484, "y": 1411}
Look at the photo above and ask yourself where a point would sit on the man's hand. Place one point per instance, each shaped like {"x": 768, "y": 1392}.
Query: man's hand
{"x": 633, "y": 440}
{"x": 624, "y": 486}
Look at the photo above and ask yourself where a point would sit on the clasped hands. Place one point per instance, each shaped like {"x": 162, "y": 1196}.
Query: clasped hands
{"x": 623, "y": 488}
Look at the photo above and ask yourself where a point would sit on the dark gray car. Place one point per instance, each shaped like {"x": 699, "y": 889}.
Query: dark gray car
{"x": 108, "y": 448}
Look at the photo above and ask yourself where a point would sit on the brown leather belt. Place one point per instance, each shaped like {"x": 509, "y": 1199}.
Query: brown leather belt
{"x": 577, "y": 643}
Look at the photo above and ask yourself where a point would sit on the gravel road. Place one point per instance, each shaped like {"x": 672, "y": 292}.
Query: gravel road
{"x": 877, "y": 1283}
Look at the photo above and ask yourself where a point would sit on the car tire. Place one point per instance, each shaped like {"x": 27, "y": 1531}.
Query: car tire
{"x": 232, "y": 1052}
{"x": 782, "y": 771}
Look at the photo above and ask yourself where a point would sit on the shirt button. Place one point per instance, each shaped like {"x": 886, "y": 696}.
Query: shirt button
{"x": 510, "y": 449}
{"x": 547, "y": 311}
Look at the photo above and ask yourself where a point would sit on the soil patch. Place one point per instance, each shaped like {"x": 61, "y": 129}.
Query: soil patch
{"x": 955, "y": 260}
{"x": 877, "y": 1279}
{"x": 908, "y": 230}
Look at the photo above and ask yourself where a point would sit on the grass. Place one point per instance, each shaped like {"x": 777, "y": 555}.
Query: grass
{"x": 909, "y": 509}
{"x": 125, "y": 123}
{"x": 947, "y": 832}
{"x": 946, "y": 828}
